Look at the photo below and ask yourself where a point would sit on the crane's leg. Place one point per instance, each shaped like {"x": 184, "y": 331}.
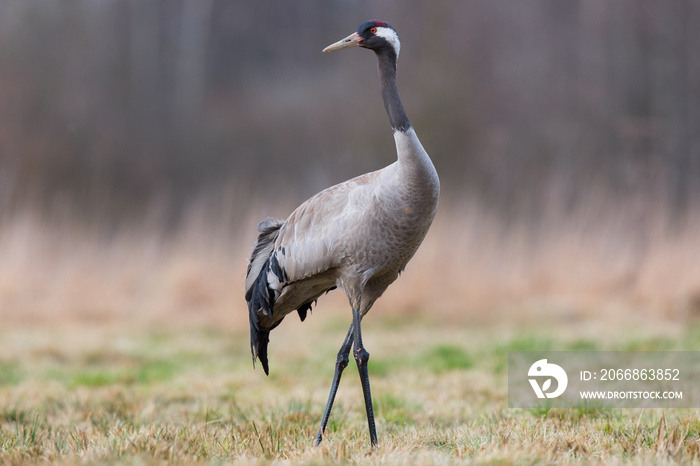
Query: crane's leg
{"x": 340, "y": 364}
{"x": 361, "y": 358}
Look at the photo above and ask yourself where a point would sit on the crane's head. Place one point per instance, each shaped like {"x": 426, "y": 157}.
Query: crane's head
{"x": 379, "y": 36}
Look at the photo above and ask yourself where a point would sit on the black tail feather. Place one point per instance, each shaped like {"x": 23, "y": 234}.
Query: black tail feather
{"x": 259, "y": 296}
{"x": 302, "y": 311}
{"x": 263, "y": 340}
{"x": 259, "y": 299}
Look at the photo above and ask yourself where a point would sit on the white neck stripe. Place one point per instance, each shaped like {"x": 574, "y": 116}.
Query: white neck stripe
{"x": 390, "y": 36}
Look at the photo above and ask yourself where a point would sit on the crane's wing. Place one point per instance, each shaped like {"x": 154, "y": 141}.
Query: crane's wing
{"x": 294, "y": 261}
{"x": 306, "y": 250}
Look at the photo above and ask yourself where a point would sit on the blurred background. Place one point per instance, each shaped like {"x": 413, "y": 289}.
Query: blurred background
{"x": 141, "y": 141}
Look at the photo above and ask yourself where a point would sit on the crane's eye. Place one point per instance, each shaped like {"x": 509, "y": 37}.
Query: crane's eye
{"x": 373, "y": 30}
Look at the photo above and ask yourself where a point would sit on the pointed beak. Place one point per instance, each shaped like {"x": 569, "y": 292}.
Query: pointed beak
{"x": 353, "y": 40}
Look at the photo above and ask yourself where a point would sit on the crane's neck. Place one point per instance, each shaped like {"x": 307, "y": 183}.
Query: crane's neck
{"x": 416, "y": 171}
{"x": 390, "y": 93}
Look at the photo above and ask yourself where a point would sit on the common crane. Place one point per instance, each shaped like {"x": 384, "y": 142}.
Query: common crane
{"x": 357, "y": 235}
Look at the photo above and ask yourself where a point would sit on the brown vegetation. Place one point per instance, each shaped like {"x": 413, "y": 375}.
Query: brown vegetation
{"x": 602, "y": 266}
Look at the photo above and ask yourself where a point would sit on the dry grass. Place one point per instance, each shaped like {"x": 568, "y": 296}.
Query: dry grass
{"x": 190, "y": 396}
{"x": 596, "y": 264}
{"x": 611, "y": 263}
{"x": 131, "y": 347}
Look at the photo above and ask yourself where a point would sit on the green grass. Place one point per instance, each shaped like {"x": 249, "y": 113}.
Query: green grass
{"x": 10, "y": 373}
{"x": 443, "y": 358}
{"x": 192, "y": 396}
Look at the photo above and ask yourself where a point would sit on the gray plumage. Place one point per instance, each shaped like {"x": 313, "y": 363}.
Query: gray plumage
{"x": 356, "y": 236}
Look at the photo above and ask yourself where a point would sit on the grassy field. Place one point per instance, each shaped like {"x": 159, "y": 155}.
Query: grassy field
{"x": 119, "y": 394}
{"x": 131, "y": 346}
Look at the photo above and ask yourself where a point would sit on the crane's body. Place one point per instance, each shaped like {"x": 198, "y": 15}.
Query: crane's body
{"x": 356, "y": 236}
